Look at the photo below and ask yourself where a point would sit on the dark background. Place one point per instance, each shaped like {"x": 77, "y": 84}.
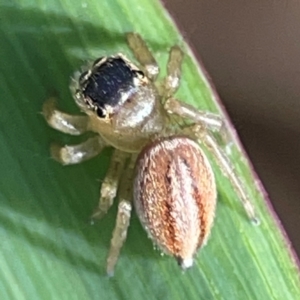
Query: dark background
{"x": 251, "y": 50}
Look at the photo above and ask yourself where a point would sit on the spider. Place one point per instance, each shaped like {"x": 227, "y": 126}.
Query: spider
{"x": 157, "y": 160}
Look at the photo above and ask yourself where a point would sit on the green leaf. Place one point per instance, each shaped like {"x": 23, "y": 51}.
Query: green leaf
{"x": 48, "y": 249}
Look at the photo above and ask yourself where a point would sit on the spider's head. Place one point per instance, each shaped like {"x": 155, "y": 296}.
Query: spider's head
{"x": 108, "y": 85}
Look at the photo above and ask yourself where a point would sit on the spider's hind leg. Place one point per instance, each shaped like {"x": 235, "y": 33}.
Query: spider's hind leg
{"x": 110, "y": 184}
{"x": 207, "y": 138}
{"x": 123, "y": 217}
{"x": 204, "y": 124}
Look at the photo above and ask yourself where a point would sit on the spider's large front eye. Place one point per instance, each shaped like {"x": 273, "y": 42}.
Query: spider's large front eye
{"x": 111, "y": 83}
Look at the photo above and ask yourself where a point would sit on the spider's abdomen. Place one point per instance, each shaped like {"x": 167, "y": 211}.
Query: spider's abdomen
{"x": 175, "y": 196}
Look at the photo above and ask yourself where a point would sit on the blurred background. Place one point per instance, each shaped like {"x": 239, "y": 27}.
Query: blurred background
{"x": 251, "y": 50}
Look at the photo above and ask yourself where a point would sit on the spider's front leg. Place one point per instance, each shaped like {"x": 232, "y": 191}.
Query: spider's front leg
{"x": 74, "y": 125}
{"x": 143, "y": 55}
{"x": 171, "y": 82}
{"x": 123, "y": 217}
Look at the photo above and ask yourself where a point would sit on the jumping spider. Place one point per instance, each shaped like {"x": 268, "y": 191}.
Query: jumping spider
{"x": 173, "y": 186}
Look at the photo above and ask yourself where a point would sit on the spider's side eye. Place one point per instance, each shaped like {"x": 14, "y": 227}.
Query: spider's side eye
{"x": 100, "y": 112}
{"x": 82, "y": 78}
{"x": 139, "y": 74}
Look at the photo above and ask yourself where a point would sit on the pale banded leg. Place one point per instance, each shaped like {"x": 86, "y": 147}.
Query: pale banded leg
{"x": 206, "y": 137}
{"x": 123, "y": 217}
{"x": 209, "y": 120}
{"x": 110, "y": 183}
{"x": 172, "y": 81}
{"x": 143, "y": 55}
{"x": 74, "y": 125}
{"x": 74, "y": 154}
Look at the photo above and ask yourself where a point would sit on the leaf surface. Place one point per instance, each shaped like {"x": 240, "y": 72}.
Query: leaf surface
{"x": 48, "y": 248}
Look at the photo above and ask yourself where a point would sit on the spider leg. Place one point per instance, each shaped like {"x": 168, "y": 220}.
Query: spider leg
{"x": 172, "y": 80}
{"x": 207, "y": 138}
{"x": 74, "y": 154}
{"x": 110, "y": 184}
{"x": 74, "y": 125}
{"x": 209, "y": 120}
{"x": 143, "y": 55}
{"x": 205, "y": 124}
{"x": 123, "y": 217}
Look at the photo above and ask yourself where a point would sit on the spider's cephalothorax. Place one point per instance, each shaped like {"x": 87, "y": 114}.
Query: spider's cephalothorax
{"x": 122, "y": 102}
{"x": 174, "y": 187}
